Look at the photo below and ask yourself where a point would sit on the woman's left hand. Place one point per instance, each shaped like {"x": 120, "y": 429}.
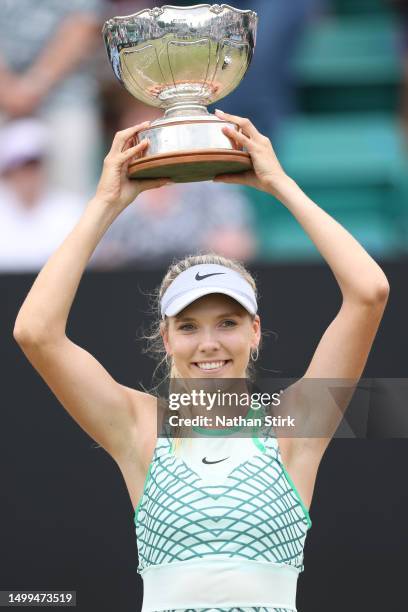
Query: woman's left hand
{"x": 267, "y": 171}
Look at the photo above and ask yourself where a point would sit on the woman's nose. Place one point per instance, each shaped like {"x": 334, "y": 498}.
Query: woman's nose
{"x": 208, "y": 342}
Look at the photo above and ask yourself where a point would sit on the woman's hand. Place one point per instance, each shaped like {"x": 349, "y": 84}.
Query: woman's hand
{"x": 267, "y": 171}
{"x": 114, "y": 187}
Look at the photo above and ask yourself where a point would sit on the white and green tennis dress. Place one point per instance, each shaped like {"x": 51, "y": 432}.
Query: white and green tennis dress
{"x": 220, "y": 526}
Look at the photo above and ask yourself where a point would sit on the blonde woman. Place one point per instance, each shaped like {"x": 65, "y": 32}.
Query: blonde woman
{"x": 219, "y": 526}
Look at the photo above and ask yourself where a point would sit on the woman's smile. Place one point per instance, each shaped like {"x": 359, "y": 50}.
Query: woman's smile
{"x": 212, "y": 367}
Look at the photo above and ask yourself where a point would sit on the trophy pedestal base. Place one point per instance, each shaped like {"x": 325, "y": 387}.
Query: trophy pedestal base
{"x": 190, "y": 166}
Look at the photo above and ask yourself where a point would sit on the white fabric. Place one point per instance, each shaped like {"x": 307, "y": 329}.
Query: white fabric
{"x": 204, "y": 279}
{"x": 195, "y": 294}
{"x": 74, "y": 158}
{"x": 21, "y": 140}
{"x": 213, "y": 448}
{"x": 29, "y": 237}
{"x": 219, "y": 583}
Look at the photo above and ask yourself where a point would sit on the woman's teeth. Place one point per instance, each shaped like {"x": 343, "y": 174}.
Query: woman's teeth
{"x": 211, "y": 365}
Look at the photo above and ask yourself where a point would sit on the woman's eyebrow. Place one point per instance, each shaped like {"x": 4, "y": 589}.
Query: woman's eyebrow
{"x": 180, "y": 317}
{"x": 233, "y": 313}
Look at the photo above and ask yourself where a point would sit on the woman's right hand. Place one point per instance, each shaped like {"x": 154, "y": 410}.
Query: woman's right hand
{"x": 114, "y": 187}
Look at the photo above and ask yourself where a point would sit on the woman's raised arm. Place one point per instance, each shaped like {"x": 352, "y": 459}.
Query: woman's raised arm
{"x": 102, "y": 407}
{"x": 343, "y": 349}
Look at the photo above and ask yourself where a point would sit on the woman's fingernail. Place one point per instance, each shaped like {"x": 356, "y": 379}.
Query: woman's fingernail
{"x": 217, "y": 110}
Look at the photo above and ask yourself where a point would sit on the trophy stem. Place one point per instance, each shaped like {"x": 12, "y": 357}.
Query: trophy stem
{"x": 183, "y": 109}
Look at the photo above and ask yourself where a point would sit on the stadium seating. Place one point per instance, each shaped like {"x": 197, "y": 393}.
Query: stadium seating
{"x": 345, "y": 147}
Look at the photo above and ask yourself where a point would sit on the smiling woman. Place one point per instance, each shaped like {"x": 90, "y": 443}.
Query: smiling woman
{"x": 219, "y": 519}
{"x": 212, "y": 300}
{"x": 221, "y": 523}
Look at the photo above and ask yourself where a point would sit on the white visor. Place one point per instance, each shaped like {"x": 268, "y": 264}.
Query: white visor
{"x": 204, "y": 279}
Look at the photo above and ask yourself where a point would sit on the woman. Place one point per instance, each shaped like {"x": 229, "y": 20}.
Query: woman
{"x": 248, "y": 551}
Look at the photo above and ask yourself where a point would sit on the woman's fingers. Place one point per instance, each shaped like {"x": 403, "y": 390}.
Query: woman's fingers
{"x": 121, "y": 138}
{"x": 133, "y": 151}
{"x": 246, "y": 125}
{"x": 238, "y": 138}
{"x": 117, "y": 159}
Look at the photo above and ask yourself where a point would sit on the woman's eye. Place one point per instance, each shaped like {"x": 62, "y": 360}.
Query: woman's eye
{"x": 229, "y": 323}
{"x": 186, "y": 327}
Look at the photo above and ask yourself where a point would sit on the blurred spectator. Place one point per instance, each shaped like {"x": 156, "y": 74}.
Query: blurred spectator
{"x": 33, "y": 220}
{"x": 177, "y": 220}
{"x": 43, "y": 45}
{"x": 266, "y": 94}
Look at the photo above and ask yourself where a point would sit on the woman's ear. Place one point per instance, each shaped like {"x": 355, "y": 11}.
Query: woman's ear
{"x": 256, "y": 328}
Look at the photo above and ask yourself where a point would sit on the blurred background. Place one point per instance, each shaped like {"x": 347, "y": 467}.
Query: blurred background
{"x": 329, "y": 85}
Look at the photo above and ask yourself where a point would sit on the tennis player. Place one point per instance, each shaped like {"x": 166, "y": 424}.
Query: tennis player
{"x": 220, "y": 525}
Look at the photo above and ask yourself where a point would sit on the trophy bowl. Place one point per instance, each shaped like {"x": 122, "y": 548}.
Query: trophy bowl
{"x": 182, "y": 59}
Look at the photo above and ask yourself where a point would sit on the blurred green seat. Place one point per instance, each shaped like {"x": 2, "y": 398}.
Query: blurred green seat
{"x": 363, "y": 149}
{"x": 355, "y": 168}
{"x": 346, "y": 7}
{"x": 285, "y": 240}
{"x": 352, "y": 50}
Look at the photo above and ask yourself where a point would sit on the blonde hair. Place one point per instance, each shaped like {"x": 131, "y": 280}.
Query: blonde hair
{"x": 155, "y": 347}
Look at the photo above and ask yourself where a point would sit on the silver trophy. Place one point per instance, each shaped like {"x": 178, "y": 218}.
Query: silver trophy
{"x": 181, "y": 59}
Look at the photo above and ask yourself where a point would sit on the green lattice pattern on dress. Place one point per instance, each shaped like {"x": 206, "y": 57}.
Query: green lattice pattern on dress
{"x": 254, "y": 515}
